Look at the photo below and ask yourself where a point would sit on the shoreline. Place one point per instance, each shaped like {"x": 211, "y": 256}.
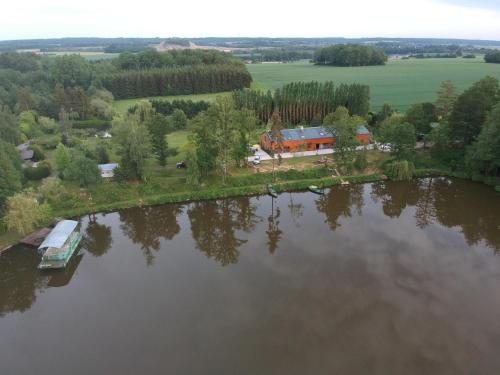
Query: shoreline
{"x": 231, "y": 192}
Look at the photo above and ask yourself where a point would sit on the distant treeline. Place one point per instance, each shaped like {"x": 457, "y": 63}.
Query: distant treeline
{"x": 153, "y": 59}
{"x": 183, "y": 80}
{"x": 305, "y": 101}
{"x": 492, "y": 57}
{"x": 436, "y": 55}
{"x": 276, "y": 54}
{"x": 349, "y": 55}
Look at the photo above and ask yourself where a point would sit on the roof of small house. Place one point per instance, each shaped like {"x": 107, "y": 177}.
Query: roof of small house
{"x": 107, "y": 167}
{"x": 23, "y": 146}
{"x": 59, "y": 234}
{"x": 27, "y": 154}
{"x": 316, "y": 132}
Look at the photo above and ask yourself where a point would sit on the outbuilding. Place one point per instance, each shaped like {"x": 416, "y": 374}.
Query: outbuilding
{"x": 308, "y": 139}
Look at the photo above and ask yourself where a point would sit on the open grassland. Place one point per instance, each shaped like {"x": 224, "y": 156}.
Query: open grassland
{"x": 122, "y": 105}
{"x": 400, "y": 83}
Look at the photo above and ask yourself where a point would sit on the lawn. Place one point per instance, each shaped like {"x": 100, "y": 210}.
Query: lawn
{"x": 122, "y": 105}
{"x": 399, "y": 83}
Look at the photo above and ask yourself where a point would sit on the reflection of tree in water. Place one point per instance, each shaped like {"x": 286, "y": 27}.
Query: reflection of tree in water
{"x": 451, "y": 202}
{"x": 339, "y": 202}
{"x": 395, "y": 196}
{"x": 146, "y": 225}
{"x": 213, "y": 226}
{"x": 473, "y": 207}
{"x": 425, "y": 207}
{"x": 97, "y": 238}
{"x": 273, "y": 231}
{"x": 296, "y": 210}
{"x": 19, "y": 280}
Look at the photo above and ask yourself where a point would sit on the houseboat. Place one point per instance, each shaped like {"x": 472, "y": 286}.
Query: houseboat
{"x": 59, "y": 245}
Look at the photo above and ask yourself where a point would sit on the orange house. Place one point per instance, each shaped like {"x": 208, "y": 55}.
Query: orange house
{"x": 308, "y": 139}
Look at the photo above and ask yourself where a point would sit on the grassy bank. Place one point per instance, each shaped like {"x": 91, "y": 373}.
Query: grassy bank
{"x": 113, "y": 196}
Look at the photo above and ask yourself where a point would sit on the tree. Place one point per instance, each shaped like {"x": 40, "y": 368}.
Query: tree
{"x": 193, "y": 174}
{"x": 82, "y": 170}
{"x": 178, "y": 119}
{"x": 10, "y": 171}
{"x": 51, "y": 190}
{"x": 223, "y": 113}
{"x": 159, "y": 127}
{"x": 343, "y": 129}
{"x": 135, "y": 144}
{"x": 421, "y": 115}
{"x": 27, "y": 124}
{"x": 63, "y": 158}
{"x": 446, "y": 99}
{"x": 401, "y": 136}
{"x": 205, "y": 140}
{"x": 483, "y": 156}
{"x": 9, "y": 126}
{"x": 101, "y": 153}
{"x": 471, "y": 108}
{"x": 72, "y": 70}
{"x": 277, "y": 136}
{"x": 24, "y": 213}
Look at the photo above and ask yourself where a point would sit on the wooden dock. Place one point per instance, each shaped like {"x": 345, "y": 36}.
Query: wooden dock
{"x": 36, "y": 238}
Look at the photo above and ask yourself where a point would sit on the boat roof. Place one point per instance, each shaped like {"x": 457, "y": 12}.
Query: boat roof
{"x": 59, "y": 234}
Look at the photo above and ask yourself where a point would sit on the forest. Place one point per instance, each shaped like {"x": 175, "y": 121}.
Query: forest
{"x": 305, "y": 102}
{"x": 492, "y": 56}
{"x": 349, "y": 55}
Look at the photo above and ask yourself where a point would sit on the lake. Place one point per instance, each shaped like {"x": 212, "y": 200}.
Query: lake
{"x": 383, "y": 278}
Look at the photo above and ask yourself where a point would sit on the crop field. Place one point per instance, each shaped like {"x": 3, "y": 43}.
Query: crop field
{"x": 400, "y": 83}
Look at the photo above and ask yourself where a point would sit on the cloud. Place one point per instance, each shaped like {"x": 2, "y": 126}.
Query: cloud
{"x": 314, "y": 18}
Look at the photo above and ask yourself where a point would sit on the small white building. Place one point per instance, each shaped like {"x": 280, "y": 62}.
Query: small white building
{"x": 108, "y": 170}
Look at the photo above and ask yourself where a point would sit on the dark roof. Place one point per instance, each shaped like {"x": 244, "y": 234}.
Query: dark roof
{"x": 27, "y": 154}
{"x": 315, "y": 132}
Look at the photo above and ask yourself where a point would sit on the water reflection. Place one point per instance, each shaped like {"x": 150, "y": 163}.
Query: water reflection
{"x": 97, "y": 239}
{"x": 147, "y": 225}
{"x": 273, "y": 230}
{"x": 395, "y": 197}
{"x": 339, "y": 202}
{"x": 214, "y": 225}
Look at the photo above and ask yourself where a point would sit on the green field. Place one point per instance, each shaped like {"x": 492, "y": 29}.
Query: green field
{"x": 122, "y": 105}
{"x": 399, "y": 83}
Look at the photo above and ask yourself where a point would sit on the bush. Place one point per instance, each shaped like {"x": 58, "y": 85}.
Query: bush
{"x": 361, "y": 162}
{"x": 497, "y": 188}
{"x": 49, "y": 143}
{"x": 400, "y": 170}
{"x": 37, "y": 153}
{"x": 51, "y": 190}
{"x": 42, "y": 170}
{"x": 96, "y": 124}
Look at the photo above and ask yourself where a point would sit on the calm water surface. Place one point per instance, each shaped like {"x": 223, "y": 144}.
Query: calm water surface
{"x": 385, "y": 278}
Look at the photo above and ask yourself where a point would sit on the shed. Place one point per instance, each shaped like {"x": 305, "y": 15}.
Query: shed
{"x": 27, "y": 154}
{"x": 107, "y": 170}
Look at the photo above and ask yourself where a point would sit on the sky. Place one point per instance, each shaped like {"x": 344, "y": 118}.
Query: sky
{"x": 467, "y": 19}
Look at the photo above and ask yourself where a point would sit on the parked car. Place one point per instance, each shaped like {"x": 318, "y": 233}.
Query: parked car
{"x": 181, "y": 164}
{"x": 256, "y": 160}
